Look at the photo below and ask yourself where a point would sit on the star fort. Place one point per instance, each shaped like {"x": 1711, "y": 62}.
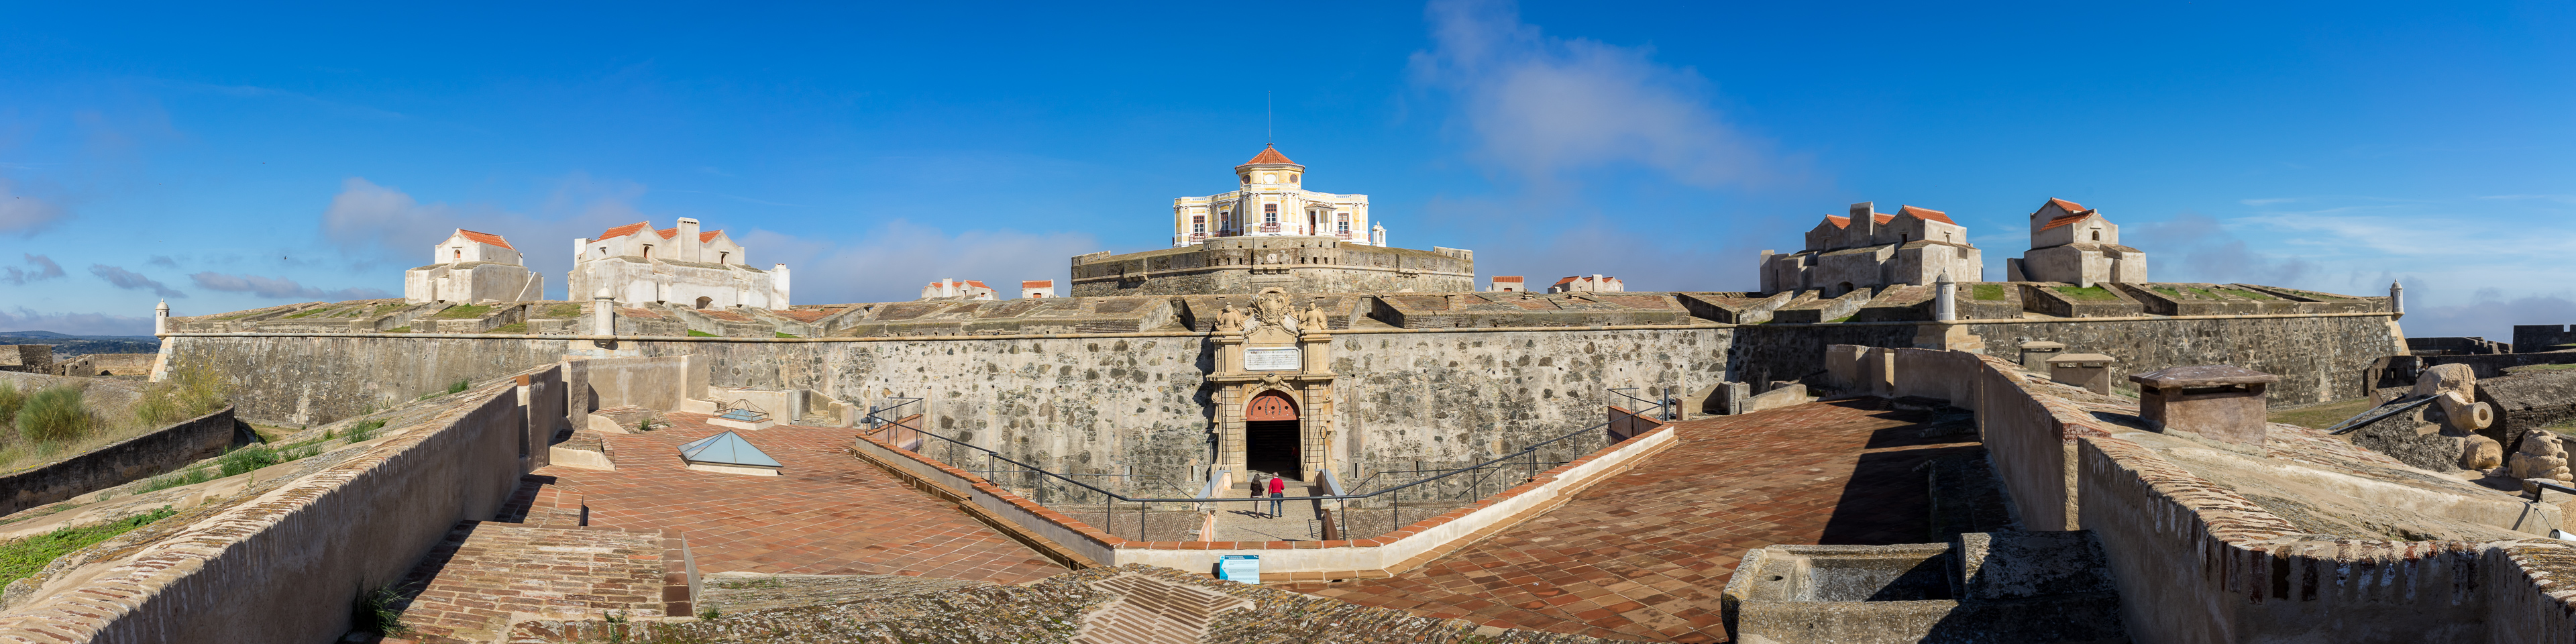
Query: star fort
{"x": 1299, "y": 421}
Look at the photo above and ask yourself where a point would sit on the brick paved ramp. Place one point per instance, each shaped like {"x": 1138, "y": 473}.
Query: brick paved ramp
{"x": 1062, "y": 608}
{"x": 828, "y": 513}
{"x": 1643, "y": 556}
{"x": 487, "y": 576}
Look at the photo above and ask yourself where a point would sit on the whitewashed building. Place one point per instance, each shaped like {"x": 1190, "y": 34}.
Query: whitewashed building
{"x": 470, "y": 267}
{"x": 1588, "y": 284}
{"x": 1870, "y": 249}
{"x": 957, "y": 289}
{"x": 679, "y": 265}
{"x": 1271, "y": 200}
{"x": 2076, "y": 245}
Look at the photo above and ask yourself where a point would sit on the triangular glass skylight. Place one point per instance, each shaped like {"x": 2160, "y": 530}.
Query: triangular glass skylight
{"x": 726, "y": 449}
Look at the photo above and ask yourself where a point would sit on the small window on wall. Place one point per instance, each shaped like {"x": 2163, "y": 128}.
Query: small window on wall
{"x": 2097, "y": 235}
{"x": 648, "y": 252}
{"x": 721, "y": 258}
{"x": 1270, "y": 214}
{"x": 1198, "y": 224}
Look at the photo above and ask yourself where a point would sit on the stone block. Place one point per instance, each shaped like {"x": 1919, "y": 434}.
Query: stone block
{"x": 2088, "y": 370}
{"x": 2219, "y": 402}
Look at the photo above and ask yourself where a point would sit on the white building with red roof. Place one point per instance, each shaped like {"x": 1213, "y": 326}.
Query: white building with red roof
{"x": 469, "y": 267}
{"x": 1870, "y": 249}
{"x": 1508, "y": 284}
{"x": 680, "y": 265}
{"x": 1270, "y": 199}
{"x": 2076, "y": 245}
{"x": 1588, "y": 284}
{"x": 957, "y": 289}
{"x": 1037, "y": 288}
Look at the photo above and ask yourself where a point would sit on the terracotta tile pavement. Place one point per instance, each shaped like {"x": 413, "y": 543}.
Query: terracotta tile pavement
{"x": 828, "y": 513}
{"x": 1643, "y": 556}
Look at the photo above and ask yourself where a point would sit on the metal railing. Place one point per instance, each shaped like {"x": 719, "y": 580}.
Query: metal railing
{"x": 1527, "y": 458}
{"x": 1664, "y": 406}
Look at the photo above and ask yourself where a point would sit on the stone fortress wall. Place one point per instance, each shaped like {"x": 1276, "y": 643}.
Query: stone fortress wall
{"x": 1100, "y": 384}
{"x": 1297, "y": 264}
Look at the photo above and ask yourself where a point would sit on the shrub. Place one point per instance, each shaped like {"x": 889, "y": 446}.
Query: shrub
{"x": 460, "y": 386}
{"x": 365, "y": 430}
{"x": 700, "y": 334}
{"x": 10, "y": 400}
{"x": 54, "y": 414}
{"x": 374, "y": 611}
{"x": 189, "y": 392}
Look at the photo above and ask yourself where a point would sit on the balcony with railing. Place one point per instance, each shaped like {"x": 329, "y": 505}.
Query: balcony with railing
{"x": 1269, "y": 228}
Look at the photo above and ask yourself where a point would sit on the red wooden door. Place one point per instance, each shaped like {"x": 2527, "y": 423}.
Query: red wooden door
{"x": 1270, "y": 405}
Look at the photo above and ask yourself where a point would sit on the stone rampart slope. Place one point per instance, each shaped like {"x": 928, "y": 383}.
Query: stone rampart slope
{"x": 284, "y": 562}
{"x": 2312, "y": 539}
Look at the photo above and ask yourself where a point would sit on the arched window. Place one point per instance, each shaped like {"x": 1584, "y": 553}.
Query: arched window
{"x": 648, "y": 251}
{"x": 704, "y": 301}
{"x": 2097, "y": 234}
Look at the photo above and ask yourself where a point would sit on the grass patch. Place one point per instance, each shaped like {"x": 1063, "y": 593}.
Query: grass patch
{"x": 253, "y": 457}
{"x": 2086, "y": 293}
{"x": 2325, "y": 415}
{"x": 464, "y": 312}
{"x": 10, "y": 400}
{"x": 2169, "y": 292}
{"x": 457, "y": 387}
{"x": 373, "y": 612}
{"x": 399, "y": 329}
{"x": 190, "y": 476}
{"x": 310, "y": 313}
{"x": 561, "y": 311}
{"x": 514, "y": 327}
{"x": 787, "y": 335}
{"x": 1846, "y": 318}
{"x": 24, "y": 557}
{"x": 1987, "y": 291}
{"x": 365, "y": 430}
{"x": 189, "y": 392}
{"x": 2251, "y": 295}
{"x": 694, "y": 333}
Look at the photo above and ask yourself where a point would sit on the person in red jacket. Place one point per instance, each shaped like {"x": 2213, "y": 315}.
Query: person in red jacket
{"x": 1278, "y": 488}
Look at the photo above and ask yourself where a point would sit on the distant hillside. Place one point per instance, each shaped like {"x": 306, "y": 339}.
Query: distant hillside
{"x": 67, "y": 345}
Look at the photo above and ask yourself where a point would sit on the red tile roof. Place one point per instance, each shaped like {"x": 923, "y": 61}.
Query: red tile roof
{"x": 2074, "y": 212}
{"x": 621, "y": 231}
{"x": 668, "y": 233}
{"x": 484, "y": 238}
{"x": 1507, "y": 278}
{"x": 1926, "y": 214}
{"x": 1269, "y": 155}
{"x": 1037, "y": 284}
{"x": 2069, "y": 219}
{"x": 1840, "y": 221}
{"x": 708, "y": 236}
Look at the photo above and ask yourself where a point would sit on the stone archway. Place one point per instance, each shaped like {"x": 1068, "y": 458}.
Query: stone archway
{"x": 1272, "y": 434}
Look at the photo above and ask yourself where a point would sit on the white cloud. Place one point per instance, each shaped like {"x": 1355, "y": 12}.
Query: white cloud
{"x": 131, "y": 280}
{"x": 1544, "y": 106}
{"x": 279, "y": 287}
{"x": 24, "y": 319}
{"x": 23, "y": 213}
{"x": 45, "y": 269}
{"x": 379, "y": 227}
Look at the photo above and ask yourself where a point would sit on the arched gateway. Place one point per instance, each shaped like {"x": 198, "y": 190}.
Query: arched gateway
{"x": 1271, "y": 435}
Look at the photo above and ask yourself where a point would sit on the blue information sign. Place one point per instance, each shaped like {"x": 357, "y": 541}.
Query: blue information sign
{"x": 1239, "y": 568}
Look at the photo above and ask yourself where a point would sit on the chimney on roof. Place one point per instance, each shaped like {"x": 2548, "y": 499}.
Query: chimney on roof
{"x": 687, "y": 241}
{"x": 1864, "y": 224}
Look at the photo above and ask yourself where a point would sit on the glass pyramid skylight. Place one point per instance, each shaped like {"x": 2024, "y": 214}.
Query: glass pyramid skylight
{"x": 726, "y": 449}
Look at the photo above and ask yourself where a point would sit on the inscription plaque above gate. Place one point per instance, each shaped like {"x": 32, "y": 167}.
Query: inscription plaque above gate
{"x": 1279, "y": 359}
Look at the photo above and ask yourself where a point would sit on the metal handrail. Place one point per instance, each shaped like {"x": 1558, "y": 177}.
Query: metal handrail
{"x": 1663, "y": 407}
{"x": 1531, "y": 450}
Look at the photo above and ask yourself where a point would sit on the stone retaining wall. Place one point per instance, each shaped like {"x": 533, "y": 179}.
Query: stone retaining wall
{"x": 1078, "y": 544}
{"x": 162, "y": 450}
{"x": 2196, "y": 562}
{"x": 286, "y": 566}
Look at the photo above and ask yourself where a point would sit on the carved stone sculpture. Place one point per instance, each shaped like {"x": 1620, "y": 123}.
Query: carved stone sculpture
{"x": 1229, "y": 319}
{"x": 1313, "y": 319}
{"x": 2541, "y": 457}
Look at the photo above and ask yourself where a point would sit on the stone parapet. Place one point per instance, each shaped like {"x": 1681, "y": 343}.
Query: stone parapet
{"x": 1079, "y": 545}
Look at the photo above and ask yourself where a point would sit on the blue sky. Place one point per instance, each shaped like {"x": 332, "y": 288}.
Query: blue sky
{"x": 230, "y": 159}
